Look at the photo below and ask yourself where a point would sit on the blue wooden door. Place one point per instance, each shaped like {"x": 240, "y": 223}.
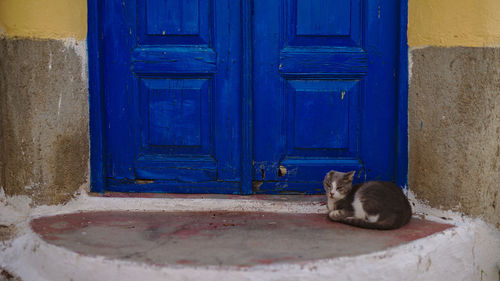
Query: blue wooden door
{"x": 325, "y": 91}
{"x": 171, "y": 72}
{"x": 322, "y": 88}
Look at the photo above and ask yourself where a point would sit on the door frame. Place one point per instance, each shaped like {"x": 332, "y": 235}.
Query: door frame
{"x": 96, "y": 94}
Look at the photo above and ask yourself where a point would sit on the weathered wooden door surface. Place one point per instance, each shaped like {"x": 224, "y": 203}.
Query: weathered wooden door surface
{"x": 324, "y": 93}
{"x": 172, "y": 84}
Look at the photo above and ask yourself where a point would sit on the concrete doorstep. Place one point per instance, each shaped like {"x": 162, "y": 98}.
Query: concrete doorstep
{"x": 179, "y": 237}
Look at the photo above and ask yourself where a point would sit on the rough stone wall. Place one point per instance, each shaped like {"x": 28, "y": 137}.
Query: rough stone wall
{"x": 44, "y": 144}
{"x": 454, "y": 129}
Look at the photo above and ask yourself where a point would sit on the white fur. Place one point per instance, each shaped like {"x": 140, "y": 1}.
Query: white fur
{"x": 336, "y": 195}
{"x": 335, "y": 213}
{"x": 373, "y": 218}
{"x": 330, "y": 204}
{"x": 360, "y": 213}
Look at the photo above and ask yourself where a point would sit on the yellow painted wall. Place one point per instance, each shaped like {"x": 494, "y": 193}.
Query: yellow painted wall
{"x": 44, "y": 18}
{"x": 431, "y": 22}
{"x": 474, "y": 23}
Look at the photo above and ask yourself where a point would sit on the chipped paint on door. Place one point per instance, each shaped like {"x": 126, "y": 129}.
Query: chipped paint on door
{"x": 182, "y": 113}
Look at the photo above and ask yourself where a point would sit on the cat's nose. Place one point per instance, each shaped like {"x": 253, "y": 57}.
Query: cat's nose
{"x": 332, "y": 194}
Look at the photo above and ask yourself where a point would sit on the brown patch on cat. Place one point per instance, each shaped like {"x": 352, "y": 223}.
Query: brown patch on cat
{"x": 7, "y": 276}
{"x": 7, "y": 232}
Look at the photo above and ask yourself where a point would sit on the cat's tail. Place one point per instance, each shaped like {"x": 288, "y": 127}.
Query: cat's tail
{"x": 381, "y": 225}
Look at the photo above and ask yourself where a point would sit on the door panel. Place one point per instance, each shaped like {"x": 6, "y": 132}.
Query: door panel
{"x": 172, "y": 76}
{"x": 322, "y": 117}
{"x": 179, "y": 112}
{"x": 330, "y": 102}
{"x": 175, "y": 17}
{"x": 176, "y": 21}
{"x": 322, "y": 17}
{"x": 322, "y": 22}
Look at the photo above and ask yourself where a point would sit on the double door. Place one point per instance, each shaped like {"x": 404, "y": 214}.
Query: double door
{"x": 185, "y": 112}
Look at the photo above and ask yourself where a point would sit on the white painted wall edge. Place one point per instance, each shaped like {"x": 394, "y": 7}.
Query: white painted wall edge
{"x": 469, "y": 251}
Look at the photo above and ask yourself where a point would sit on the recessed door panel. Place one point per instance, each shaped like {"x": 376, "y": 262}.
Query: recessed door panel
{"x": 173, "y": 17}
{"x": 177, "y": 113}
{"x": 176, "y": 22}
{"x": 322, "y": 22}
{"x": 323, "y": 17}
{"x": 322, "y": 117}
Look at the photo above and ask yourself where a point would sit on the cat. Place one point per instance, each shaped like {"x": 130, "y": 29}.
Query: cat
{"x": 373, "y": 204}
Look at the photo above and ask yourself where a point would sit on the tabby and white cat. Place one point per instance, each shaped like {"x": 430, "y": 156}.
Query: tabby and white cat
{"x": 373, "y": 204}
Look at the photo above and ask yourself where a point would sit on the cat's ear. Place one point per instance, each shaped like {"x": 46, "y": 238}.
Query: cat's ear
{"x": 327, "y": 177}
{"x": 350, "y": 176}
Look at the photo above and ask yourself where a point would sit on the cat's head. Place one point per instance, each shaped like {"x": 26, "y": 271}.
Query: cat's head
{"x": 337, "y": 184}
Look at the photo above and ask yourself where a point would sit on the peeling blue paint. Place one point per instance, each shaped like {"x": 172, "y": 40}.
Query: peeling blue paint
{"x": 225, "y": 92}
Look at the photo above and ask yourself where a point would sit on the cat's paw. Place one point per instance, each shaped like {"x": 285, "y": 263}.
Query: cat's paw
{"x": 335, "y": 215}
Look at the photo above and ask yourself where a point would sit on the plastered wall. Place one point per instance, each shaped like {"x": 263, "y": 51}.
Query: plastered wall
{"x": 454, "y": 105}
{"x": 44, "y": 141}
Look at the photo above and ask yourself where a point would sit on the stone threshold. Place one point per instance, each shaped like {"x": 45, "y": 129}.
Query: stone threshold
{"x": 220, "y": 238}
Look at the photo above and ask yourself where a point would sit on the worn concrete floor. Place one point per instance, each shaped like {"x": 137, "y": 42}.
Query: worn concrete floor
{"x": 241, "y": 239}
